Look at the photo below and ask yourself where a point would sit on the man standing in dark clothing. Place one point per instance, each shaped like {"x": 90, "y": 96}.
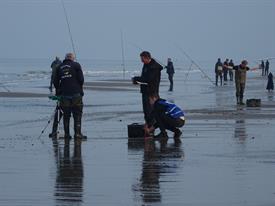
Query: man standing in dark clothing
{"x": 58, "y": 114}
{"x": 230, "y": 69}
{"x": 225, "y": 70}
{"x": 218, "y": 71}
{"x": 240, "y": 79}
{"x": 263, "y": 68}
{"x": 266, "y": 67}
{"x": 69, "y": 82}
{"x": 54, "y": 66}
{"x": 149, "y": 82}
{"x": 170, "y": 71}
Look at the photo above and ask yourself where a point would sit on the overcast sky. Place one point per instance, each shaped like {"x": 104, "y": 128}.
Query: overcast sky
{"x": 206, "y": 29}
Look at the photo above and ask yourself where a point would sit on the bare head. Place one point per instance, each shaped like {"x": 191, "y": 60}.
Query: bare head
{"x": 145, "y": 57}
{"x": 244, "y": 63}
{"x": 70, "y": 56}
{"x": 153, "y": 98}
{"x": 169, "y": 59}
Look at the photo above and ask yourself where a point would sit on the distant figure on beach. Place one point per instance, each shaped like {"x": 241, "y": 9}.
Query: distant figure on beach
{"x": 230, "y": 69}
{"x": 54, "y": 66}
{"x": 68, "y": 83}
{"x": 167, "y": 116}
{"x": 270, "y": 85}
{"x": 262, "y": 67}
{"x": 240, "y": 80}
{"x": 58, "y": 114}
{"x": 266, "y": 67}
{"x": 149, "y": 82}
{"x": 225, "y": 70}
{"x": 170, "y": 71}
{"x": 218, "y": 71}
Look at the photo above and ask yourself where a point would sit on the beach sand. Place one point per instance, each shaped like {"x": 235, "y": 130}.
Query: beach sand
{"x": 227, "y": 156}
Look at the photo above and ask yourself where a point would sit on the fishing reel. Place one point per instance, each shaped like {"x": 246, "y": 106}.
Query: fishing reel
{"x": 55, "y": 98}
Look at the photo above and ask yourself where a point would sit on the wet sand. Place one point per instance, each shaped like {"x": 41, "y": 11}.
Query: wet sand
{"x": 226, "y": 158}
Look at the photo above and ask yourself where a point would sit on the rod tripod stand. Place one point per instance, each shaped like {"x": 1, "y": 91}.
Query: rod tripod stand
{"x": 57, "y": 116}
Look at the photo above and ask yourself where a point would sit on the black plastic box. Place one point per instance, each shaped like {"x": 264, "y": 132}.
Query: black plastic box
{"x": 136, "y": 130}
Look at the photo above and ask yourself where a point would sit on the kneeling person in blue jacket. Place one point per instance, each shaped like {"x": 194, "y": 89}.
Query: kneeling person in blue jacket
{"x": 168, "y": 116}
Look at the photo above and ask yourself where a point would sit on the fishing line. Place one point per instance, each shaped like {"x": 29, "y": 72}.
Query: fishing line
{"x": 4, "y": 87}
{"x": 188, "y": 72}
{"x": 137, "y": 47}
{"x": 193, "y": 62}
{"x": 69, "y": 27}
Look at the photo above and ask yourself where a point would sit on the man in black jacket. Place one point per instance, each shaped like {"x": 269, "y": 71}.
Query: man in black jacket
{"x": 218, "y": 71}
{"x": 54, "y": 66}
{"x": 170, "y": 71}
{"x": 225, "y": 70}
{"x": 149, "y": 82}
{"x": 69, "y": 82}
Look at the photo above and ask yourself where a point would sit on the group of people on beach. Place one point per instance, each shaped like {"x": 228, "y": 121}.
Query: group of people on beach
{"x": 67, "y": 79}
{"x": 222, "y": 70}
{"x": 227, "y": 67}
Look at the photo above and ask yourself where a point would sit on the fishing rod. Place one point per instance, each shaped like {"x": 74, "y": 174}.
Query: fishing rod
{"x": 193, "y": 62}
{"x": 188, "y": 72}
{"x": 4, "y": 87}
{"x": 137, "y": 47}
{"x": 69, "y": 27}
{"x": 270, "y": 58}
{"x": 122, "y": 53}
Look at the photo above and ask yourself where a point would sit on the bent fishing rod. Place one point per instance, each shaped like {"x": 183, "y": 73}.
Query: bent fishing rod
{"x": 139, "y": 48}
{"x": 194, "y": 63}
{"x": 4, "y": 87}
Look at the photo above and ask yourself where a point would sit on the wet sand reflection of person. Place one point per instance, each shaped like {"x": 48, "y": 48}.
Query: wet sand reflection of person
{"x": 69, "y": 175}
{"x": 240, "y": 130}
{"x": 156, "y": 163}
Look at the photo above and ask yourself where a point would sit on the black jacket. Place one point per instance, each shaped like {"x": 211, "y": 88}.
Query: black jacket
{"x": 170, "y": 68}
{"x": 150, "y": 75}
{"x": 69, "y": 79}
{"x": 218, "y": 64}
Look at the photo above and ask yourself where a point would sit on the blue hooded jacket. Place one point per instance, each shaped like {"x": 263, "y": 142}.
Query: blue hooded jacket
{"x": 170, "y": 108}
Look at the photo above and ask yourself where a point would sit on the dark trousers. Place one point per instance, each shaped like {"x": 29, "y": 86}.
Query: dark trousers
{"x": 217, "y": 78}
{"x": 164, "y": 122}
{"x": 72, "y": 105}
{"x": 170, "y": 77}
{"x": 266, "y": 71}
{"x": 147, "y": 108}
{"x": 231, "y": 75}
{"x": 225, "y": 75}
{"x": 240, "y": 90}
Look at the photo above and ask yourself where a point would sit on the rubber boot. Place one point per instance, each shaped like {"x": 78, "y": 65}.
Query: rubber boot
{"x": 238, "y": 100}
{"x": 241, "y": 101}
{"x": 177, "y": 135}
{"x": 162, "y": 137}
{"x": 66, "y": 122}
{"x": 77, "y": 128}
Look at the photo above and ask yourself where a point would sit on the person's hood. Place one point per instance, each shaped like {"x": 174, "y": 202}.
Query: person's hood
{"x": 155, "y": 64}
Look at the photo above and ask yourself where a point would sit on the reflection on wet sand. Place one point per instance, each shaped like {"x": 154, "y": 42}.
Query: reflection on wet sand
{"x": 157, "y": 162}
{"x": 69, "y": 175}
{"x": 240, "y": 130}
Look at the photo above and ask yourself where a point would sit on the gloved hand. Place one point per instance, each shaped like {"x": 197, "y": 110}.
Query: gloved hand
{"x": 134, "y": 80}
